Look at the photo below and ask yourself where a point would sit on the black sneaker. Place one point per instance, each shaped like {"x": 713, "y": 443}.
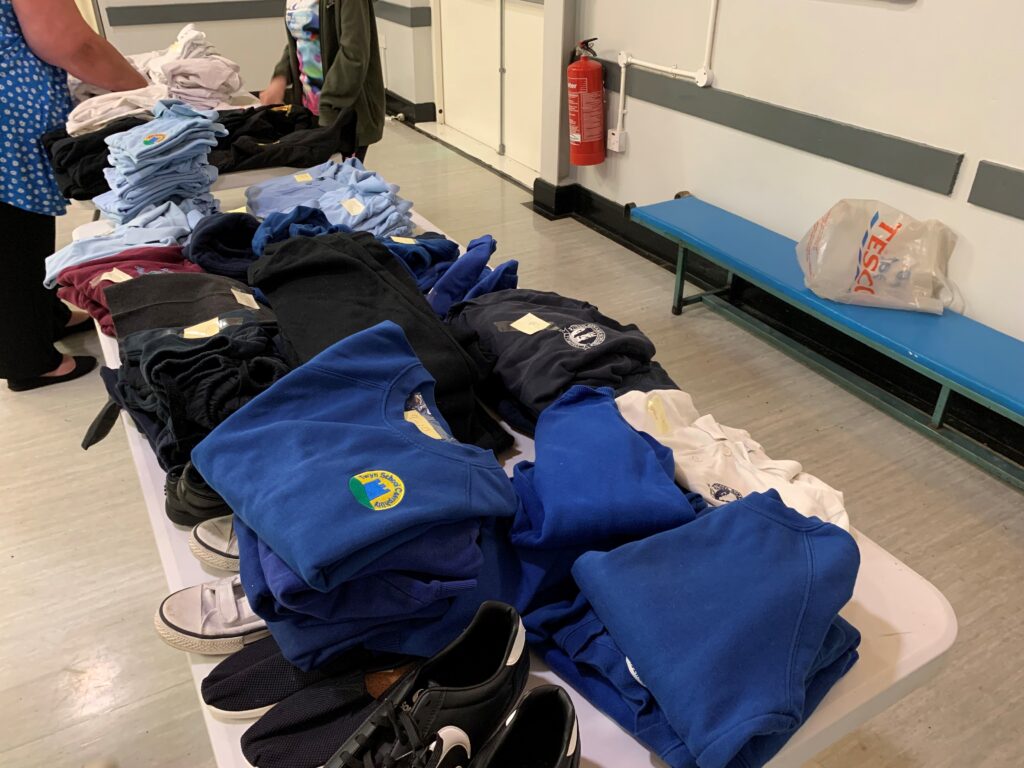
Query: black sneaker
{"x": 542, "y": 732}
{"x": 448, "y": 708}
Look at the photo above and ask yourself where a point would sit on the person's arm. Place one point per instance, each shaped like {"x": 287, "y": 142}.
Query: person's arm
{"x": 274, "y": 92}
{"x": 56, "y": 32}
{"x": 345, "y": 76}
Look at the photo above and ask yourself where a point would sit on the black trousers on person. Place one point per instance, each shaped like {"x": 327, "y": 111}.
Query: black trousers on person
{"x": 31, "y": 316}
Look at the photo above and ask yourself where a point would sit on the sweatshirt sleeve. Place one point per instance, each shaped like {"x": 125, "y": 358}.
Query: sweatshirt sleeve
{"x": 347, "y": 73}
{"x": 284, "y": 66}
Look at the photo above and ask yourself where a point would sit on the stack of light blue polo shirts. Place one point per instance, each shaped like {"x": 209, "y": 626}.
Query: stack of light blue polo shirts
{"x": 348, "y": 194}
{"x": 165, "y": 160}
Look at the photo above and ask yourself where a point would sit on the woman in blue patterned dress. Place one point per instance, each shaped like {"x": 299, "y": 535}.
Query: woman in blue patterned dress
{"x": 40, "y": 42}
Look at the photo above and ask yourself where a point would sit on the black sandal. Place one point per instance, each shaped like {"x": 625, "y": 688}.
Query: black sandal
{"x": 83, "y": 364}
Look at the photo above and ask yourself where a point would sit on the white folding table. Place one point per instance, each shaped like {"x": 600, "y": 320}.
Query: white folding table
{"x": 906, "y": 624}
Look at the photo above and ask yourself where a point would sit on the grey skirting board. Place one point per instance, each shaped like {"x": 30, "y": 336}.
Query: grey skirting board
{"x": 135, "y": 15}
{"x": 999, "y": 188}
{"x": 901, "y": 159}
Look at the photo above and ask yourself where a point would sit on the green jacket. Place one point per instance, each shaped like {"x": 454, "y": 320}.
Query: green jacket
{"x": 352, "y": 70}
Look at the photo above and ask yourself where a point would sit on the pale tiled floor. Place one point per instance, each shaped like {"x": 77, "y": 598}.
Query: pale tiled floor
{"x": 83, "y": 675}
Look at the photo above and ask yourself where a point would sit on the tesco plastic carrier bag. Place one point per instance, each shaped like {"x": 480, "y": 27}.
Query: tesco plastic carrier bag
{"x": 867, "y": 252}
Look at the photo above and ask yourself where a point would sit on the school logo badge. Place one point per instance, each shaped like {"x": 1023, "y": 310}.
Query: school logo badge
{"x": 377, "y": 489}
{"x": 722, "y": 492}
{"x": 584, "y": 335}
{"x": 154, "y": 138}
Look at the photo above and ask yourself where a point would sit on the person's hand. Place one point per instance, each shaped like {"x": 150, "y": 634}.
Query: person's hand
{"x": 274, "y": 92}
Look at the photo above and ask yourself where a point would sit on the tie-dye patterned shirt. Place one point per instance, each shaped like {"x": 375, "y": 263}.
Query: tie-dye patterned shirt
{"x": 303, "y": 20}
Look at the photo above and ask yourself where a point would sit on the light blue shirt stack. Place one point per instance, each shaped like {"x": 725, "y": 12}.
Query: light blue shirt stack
{"x": 347, "y": 193}
{"x": 165, "y": 160}
{"x": 167, "y": 224}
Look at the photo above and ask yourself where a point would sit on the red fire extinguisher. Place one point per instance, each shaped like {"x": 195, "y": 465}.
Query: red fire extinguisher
{"x": 586, "y": 106}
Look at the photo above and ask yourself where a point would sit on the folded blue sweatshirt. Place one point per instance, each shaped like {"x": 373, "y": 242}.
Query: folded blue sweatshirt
{"x": 427, "y": 256}
{"x": 301, "y": 221}
{"x": 309, "y": 641}
{"x": 730, "y": 622}
{"x": 347, "y": 457}
{"x": 439, "y": 565}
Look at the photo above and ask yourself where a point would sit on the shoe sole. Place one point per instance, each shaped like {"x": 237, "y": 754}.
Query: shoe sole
{"x": 207, "y": 646}
{"x": 231, "y": 716}
{"x": 211, "y": 557}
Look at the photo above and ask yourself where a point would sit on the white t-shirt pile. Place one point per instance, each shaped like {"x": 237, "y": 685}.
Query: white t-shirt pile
{"x": 189, "y": 69}
{"x": 723, "y": 464}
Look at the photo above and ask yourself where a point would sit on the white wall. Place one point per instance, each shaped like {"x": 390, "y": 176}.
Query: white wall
{"x": 255, "y": 44}
{"x": 407, "y": 57}
{"x": 941, "y": 72}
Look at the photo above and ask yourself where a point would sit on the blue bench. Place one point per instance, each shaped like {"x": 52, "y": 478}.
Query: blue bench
{"x": 958, "y": 353}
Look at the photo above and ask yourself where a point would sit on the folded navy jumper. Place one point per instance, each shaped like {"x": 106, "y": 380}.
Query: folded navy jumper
{"x": 535, "y": 345}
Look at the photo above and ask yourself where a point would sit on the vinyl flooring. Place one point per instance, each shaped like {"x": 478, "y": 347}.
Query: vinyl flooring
{"x": 83, "y": 676}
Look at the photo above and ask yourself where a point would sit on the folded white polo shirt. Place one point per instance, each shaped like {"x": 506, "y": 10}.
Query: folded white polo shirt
{"x": 725, "y": 464}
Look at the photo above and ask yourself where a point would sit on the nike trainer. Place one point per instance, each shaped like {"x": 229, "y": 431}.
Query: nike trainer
{"x": 449, "y": 707}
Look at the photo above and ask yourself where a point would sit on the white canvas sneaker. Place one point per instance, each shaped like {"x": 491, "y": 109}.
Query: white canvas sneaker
{"x": 213, "y": 543}
{"x": 212, "y": 618}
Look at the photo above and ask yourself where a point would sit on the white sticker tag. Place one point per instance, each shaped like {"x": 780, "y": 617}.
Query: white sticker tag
{"x": 353, "y": 206}
{"x": 115, "y": 276}
{"x": 245, "y": 299}
{"x": 404, "y": 240}
{"x": 303, "y": 178}
{"x": 530, "y": 324}
{"x": 202, "y": 330}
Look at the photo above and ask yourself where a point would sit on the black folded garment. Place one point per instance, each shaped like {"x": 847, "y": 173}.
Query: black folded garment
{"x": 326, "y": 288}
{"x": 221, "y": 243}
{"x": 575, "y": 344}
{"x": 159, "y": 300}
{"x": 259, "y": 137}
{"x": 300, "y": 148}
{"x": 78, "y": 161}
{"x": 177, "y": 389}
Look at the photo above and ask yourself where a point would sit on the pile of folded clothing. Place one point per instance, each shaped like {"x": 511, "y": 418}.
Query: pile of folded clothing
{"x": 167, "y": 224}
{"x": 84, "y": 285}
{"x": 162, "y": 161}
{"x": 194, "y": 348}
{"x": 324, "y": 289}
{"x": 394, "y": 547}
{"x": 189, "y": 69}
{"x": 203, "y": 82}
{"x": 348, "y": 194}
{"x": 537, "y": 344}
{"x": 258, "y": 137}
{"x": 79, "y": 161}
{"x": 190, "y": 43}
{"x": 95, "y": 113}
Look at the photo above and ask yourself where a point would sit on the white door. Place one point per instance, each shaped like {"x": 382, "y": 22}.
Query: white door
{"x": 470, "y": 57}
{"x": 524, "y": 33}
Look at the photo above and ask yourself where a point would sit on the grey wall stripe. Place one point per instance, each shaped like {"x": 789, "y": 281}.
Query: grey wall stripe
{"x": 132, "y": 15}
{"x": 918, "y": 164}
{"x": 999, "y": 188}
{"x": 403, "y": 14}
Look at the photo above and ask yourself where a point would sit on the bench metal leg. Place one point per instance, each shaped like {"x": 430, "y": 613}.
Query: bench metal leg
{"x": 959, "y": 443}
{"x": 678, "y": 302}
{"x": 677, "y": 297}
{"x": 940, "y": 407}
